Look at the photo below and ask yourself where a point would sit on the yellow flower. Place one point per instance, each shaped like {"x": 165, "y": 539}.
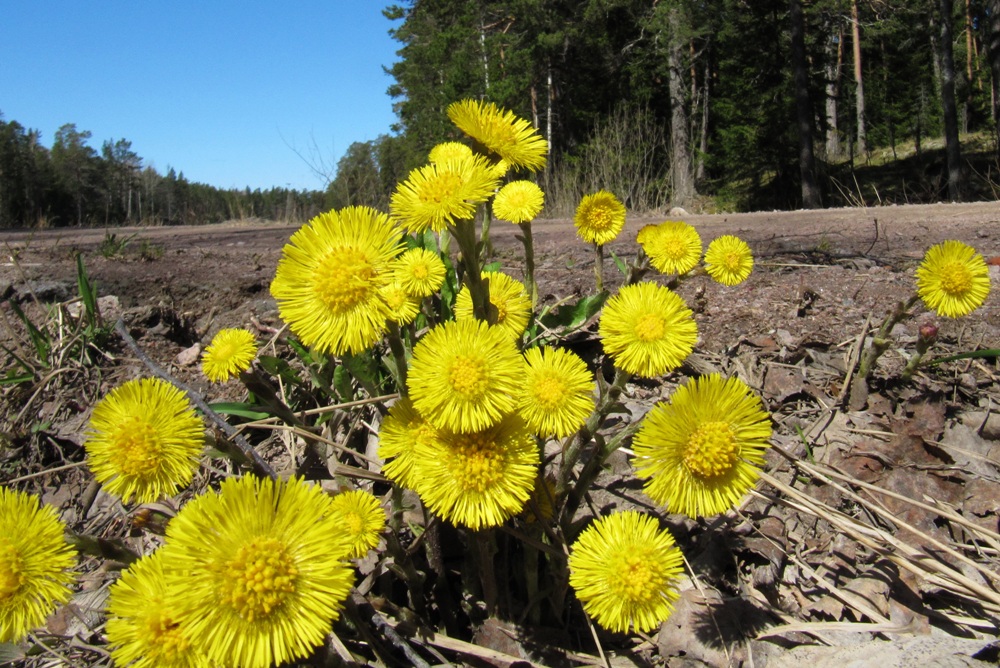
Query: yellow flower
{"x": 519, "y": 202}
{"x": 419, "y": 271}
{"x": 464, "y": 375}
{"x": 230, "y": 353}
{"x": 362, "y": 518}
{"x": 557, "y": 392}
{"x": 144, "y": 440}
{"x": 728, "y": 260}
{"x": 35, "y": 563}
{"x": 449, "y": 150}
{"x": 328, "y": 279}
{"x": 953, "y": 279}
{"x": 599, "y": 217}
{"x": 702, "y": 451}
{"x": 624, "y": 571}
{"x": 402, "y": 430}
{"x": 142, "y": 629}
{"x": 500, "y": 131}
{"x": 436, "y": 195}
{"x": 673, "y": 247}
{"x": 254, "y": 572}
{"x": 508, "y": 296}
{"x": 403, "y": 307}
{"x": 481, "y": 478}
{"x": 647, "y": 329}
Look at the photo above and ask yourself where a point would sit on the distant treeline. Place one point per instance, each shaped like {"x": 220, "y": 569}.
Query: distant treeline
{"x": 73, "y": 184}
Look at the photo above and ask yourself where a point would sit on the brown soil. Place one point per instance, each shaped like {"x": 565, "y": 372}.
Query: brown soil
{"x": 791, "y": 331}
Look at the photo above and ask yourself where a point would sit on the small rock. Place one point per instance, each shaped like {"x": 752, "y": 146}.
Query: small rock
{"x": 188, "y": 356}
{"x": 677, "y": 211}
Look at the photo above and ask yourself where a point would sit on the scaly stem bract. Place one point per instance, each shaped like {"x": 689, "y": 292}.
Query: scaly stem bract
{"x": 465, "y": 233}
{"x": 599, "y": 267}
{"x": 529, "y": 262}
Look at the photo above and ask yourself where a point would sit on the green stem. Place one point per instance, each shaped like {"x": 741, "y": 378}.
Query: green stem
{"x": 486, "y": 246}
{"x": 399, "y": 355}
{"x": 262, "y": 388}
{"x": 529, "y": 262}
{"x": 599, "y": 267}
{"x": 880, "y": 342}
{"x": 465, "y": 233}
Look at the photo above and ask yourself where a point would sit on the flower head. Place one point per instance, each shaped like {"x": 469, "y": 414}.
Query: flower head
{"x": 480, "y": 478}
{"x": 35, "y": 563}
{"x": 255, "y": 572}
{"x": 519, "y": 202}
{"x": 419, "y": 271}
{"x": 464, "y": 375}
{"x": 599, "y": 217}
{"x": 449, "y": 150}
{"x": 701, "y": 451}
{"x": 402, "y": 431}
{"x": 953, "y": 279}
{"x": 557, "y": 392}
{"x": 647, "y": 329}
{"x": 438, "y": 194}
{"x": 624, "y": 571}
{"x": 230, "y": 353}
{"x": 328, "y": 279}
{"x": 362, "y": 518}
{"x": 144, "y": 440}
{"x": 142, "y": 629}
{"x": 403, "y": 307}
{"x": 673, "y": 247}
{"x": 500, "y": 131}
{"x": 508, "y": 297}
{"x": 728, "y": 260}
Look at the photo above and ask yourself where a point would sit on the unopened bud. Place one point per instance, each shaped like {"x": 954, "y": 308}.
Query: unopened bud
{"x": 928, "y": 332}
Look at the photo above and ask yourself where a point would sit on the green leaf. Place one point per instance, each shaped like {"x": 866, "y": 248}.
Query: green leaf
{"x": 620, "y": 263}
{"x": 39, "y": 339}
{"x": 342, "y": 384}
{"x": 14, "y": 378}
{"x": 279, "y": 367}
{"x": 491, "y": 266}
{"x": 992, "y": 352}
{"x": 239, "y": 409}
{"x": 88, "y": 294}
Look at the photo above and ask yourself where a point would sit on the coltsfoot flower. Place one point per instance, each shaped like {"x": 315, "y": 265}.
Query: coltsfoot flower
{"x": 518, "y": 202}
{"x": 557, "y": 392}
{"x": 624, "y": 570}
{"x": 403, "y": 307}
{"x": 328, "y": 279}
{"x": 465, "y": 375}
{"x": 702, "y": 451}
{"x": 647, "y": 329}
{"x": 480, "y": 478}
{"x": 449, "y": 150}
{"x": 362, "y": 519}
{"x": 35, "y": 563}
{"x": 728, "y": 260}
{"x": 230, "y": 353}
{"x": 402, "y": 431}
{"x": 144, "y": 440}
{"x": 509, "y": 298}
{"x": 673, "y": 247}
{"x": 419, "y": 271}
{"x": 436, "y": 195}
{"x": 142, "y": 629}
{"x": 953, "y": 279}
{"x": 501, "y": 131}
{"x": 599, "y": 217}
{"x": 255, "y": 571}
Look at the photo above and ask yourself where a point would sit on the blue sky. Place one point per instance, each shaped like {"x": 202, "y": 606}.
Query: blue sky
{"x": 226, "y": 92}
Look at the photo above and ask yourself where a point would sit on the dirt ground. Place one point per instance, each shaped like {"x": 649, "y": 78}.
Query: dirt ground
{"x": 864, "y": 576}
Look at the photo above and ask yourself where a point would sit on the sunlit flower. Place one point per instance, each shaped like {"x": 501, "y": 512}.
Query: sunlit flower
{"x": 481, "y": 478}
{"x": 557, "y": 392}
{"x": 403, "y": 307}
{"x": 144, "y": 440}
{"x": 599, "y": 217}
{"x": 953, "y": 279}
{"x": 508, "y": 297}
{"x": 142, "y": 629}
{"x": 402, "y": 430}
{"x": 254, "y": 572}
{"x": 419, "y": 271}
{"x": 624, "y": 570}
{"x": 464, "y": 375}
{"x": 728, "y": 260}
{"x": 362, "y": 519}
{"x": 500, "y": 131}
{"x": 328, "y": 279}
{"x": 230, "y": 353}
{"x": 519, "y": 202}
{"x": 35, "y": 563}
{"x": 673, "y": 247}
{"x": 702, "y": 451}
{"x": 438, "y": 194}
{"x": 647, "y": 329}
{"x": 449, "y": 150}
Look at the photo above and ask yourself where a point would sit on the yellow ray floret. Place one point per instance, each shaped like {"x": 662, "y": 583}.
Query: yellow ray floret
{"x": 953, "y": 279}
{"x": 231, "y": 352}
{"x": 402, "y": 431}
{"x": 508, "y": 297}
{"x": 557, "y": 394}
{"x": 518, "y": 202}
{"x": 701, "y": 452}
{"x": 624, "y": 570}
{"x": 673, "y": 247}
{"x": 599, "y": 217}
{"x": 500, "y": 131}
{"x": 728, "y": 260}
{"x": 436, "y": 195}
{"x": 362, "y": 518}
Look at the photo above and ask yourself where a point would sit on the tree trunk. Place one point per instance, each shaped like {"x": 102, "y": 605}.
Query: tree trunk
{"x": 682, "y": 179}
{"x": 699, "y": 170}
{"x": 811, "y": 196}
{"x": 953, "y": 149}
{"x": 833, "y": 68}
{"x": 859, "y": 91}
{"x": 993, "y": 49}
